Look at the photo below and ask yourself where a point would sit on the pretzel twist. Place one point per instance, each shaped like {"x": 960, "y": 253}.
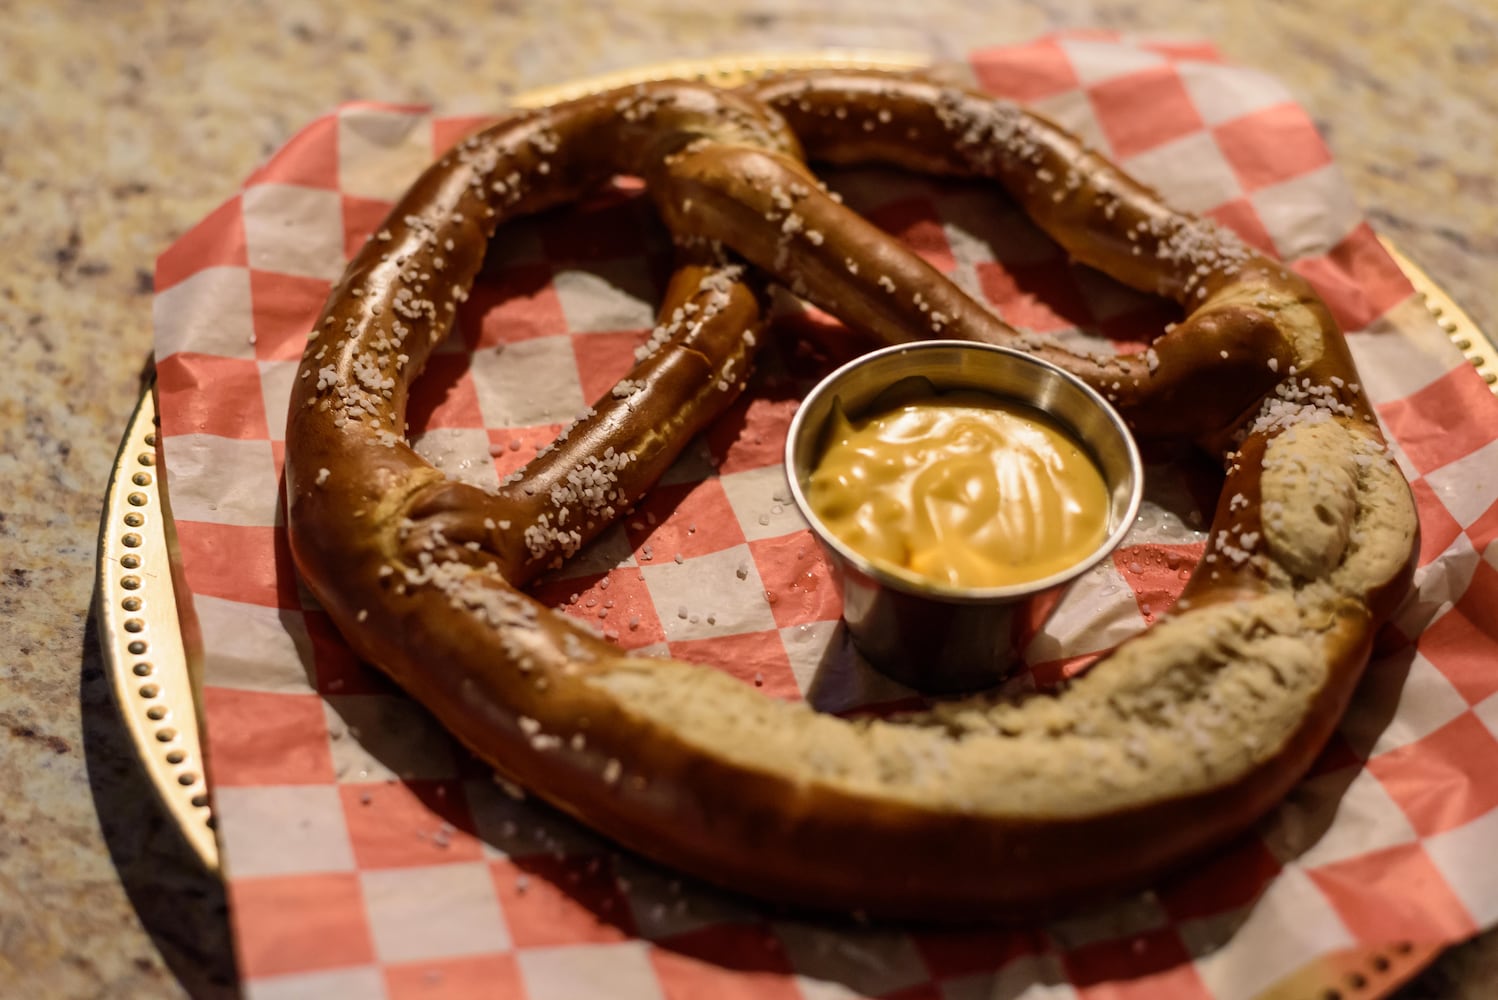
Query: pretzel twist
{"x": 1176, "y": 741}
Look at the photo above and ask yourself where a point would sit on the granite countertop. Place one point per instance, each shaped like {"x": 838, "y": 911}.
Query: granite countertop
{"x": 127, "y": 122}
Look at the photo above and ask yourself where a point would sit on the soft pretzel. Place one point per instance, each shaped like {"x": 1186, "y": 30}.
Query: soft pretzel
{"x": 1176, "y": 741}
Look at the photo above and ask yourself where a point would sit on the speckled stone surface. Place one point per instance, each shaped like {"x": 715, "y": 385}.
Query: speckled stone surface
{"x": 126, "y": 122}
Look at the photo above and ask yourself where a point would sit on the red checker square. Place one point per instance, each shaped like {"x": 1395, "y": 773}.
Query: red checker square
{"x": 447, "y": 131}
{"x": 751, "y": 435}
{"x": 329, "y": 929}
{"x": 409, "y": 824}
{"x": 725, "y": 962}
{"x": 492, "y": 976}
{"x": 1272, "y": 145}
{"x": 1053, "y": 673}
{"x": 1448, "y": 419}
{"x": 1483, "y": 531}
{"x": 1025, "y": 72}
{"x": 794, "y": 569}
{"x": 445, "y": 396}
{"x": 952, "y": 953}
{"x": 206, "y": 394}
{"x": 338, "y": 670}
{"x": 1358, "y": 279}
{"x": 1396, "y": 894}
{"x": 238, "y": 562}
{"x": 1143, "y": 110}
{"x": 217, "y": 241}
{"x": 260, "y": 738}
{"x": 603, "y": 359}
{"x": 286, "y": 310}
{"x": 1438, "y": 529}
{"x": 606, "y": 226}
{"x": 1184, "y": 51}
{"x": 361, "y": 218}
{"x": 1156, "y": 573}
{"x": 517, "y": 303}
{"x": 549, "y": 901}
{"x": 1444, "y": 780}
{"x": 916, "y": 223}
{"x": 631, "y": 620}
{"x": 1042, "y": 298}
{"x": 1241, "y": 217}
{"x": 513, "y": 447}
{"x": 1463, "y": 643}
{"x": 1227, "y": 880}
{"x": 309, "y": 159}
{"x": 1142, "y": 966}
{"x": 758, "y": 659}
{"x": 686, "y": 519}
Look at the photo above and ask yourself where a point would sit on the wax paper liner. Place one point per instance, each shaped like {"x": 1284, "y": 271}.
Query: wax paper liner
{"x": 368, "y": 856}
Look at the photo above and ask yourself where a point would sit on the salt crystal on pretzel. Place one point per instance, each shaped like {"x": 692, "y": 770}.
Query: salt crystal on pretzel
{"x": 980, "y": 808}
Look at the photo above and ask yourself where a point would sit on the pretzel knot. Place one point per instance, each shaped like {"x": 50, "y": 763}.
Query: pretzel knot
{"x": 1176, "y": 741}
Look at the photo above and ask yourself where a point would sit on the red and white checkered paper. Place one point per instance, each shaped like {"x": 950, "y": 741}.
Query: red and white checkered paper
{"x": 368, "y": 856}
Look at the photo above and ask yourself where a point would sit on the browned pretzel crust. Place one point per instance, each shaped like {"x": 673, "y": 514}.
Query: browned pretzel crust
{"x": 1176, "y": 741}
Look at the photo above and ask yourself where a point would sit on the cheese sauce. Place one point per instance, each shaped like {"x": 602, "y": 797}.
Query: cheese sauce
{"x": 962, "y": 488}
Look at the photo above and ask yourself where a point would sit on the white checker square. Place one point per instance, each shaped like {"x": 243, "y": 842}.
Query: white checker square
{"x": 211, "y": 312}
{"x": 294, "y": 230}
{"x": 1098, "y": 612}
{"x": 1438, "y": 585}
{"x": 1223, "y": 93}
{"x": 664, "y": 904}
{"x": 276, "y": 379}
{"x": 609, "y": 550}
{"x": 1327, "y": 819}
{"x": 361, "y": 982}
{"x": 528, "y": 383}
{"x": 705, "y": 586}
{"x": 1033, "y": 977}
{"x": 1309, "y": 214}
{"x": 254, "y": 648}
{"x": 282, "y": 830}
{"x": 381, "y": 151}
{"x": 837, "y": 963}
{"x": 461, "y": 453}
{"x": 1468, "y": 487}
{"x": 594, "y": 970}
{"x": 1073, "y": 111}
{"x": 611, "y": 295}
{"x": 1402, "y": 352}
{"x": 1424, "y": 699}
{"x": 437, "y": 911}
{"x": 1464, "y": 856}
{"x": 761, "y": 500}
{"x": 1487, "y": 713}
{"x": 378, "y": 737}
{"x": 832, "y": 675}
{"x": 693, "y": 465}
{"x": 1096, "y": 61}
{"x": 1192, "y": 168}
{"x": 1288, "y": 926}
{"x": 511, "y": 827}
{"x": 223, "y": 480}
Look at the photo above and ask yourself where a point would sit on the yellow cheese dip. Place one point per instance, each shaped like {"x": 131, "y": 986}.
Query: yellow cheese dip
{"x": 962, "y": 488}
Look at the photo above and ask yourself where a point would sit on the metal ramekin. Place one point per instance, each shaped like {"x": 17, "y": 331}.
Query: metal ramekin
{"x": 931, "y": 636}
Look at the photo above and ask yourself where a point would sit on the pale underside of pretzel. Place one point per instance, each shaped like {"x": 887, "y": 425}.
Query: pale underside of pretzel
{"x": 981, "y": 808}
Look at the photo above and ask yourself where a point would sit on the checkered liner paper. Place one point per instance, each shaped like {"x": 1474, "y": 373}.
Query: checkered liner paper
{"x": 368, "y": 856}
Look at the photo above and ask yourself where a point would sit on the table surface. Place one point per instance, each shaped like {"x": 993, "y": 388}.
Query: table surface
{"x": 127, "y": 122}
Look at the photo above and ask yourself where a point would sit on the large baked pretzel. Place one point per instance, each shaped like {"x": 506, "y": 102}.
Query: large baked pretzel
{"x": 1179, "y": 739}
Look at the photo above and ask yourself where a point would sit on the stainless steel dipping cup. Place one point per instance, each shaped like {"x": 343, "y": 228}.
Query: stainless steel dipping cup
{"x": 935, "y": 637}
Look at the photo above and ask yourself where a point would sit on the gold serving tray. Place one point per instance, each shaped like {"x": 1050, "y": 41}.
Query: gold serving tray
{"x": 153, "y": 666}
